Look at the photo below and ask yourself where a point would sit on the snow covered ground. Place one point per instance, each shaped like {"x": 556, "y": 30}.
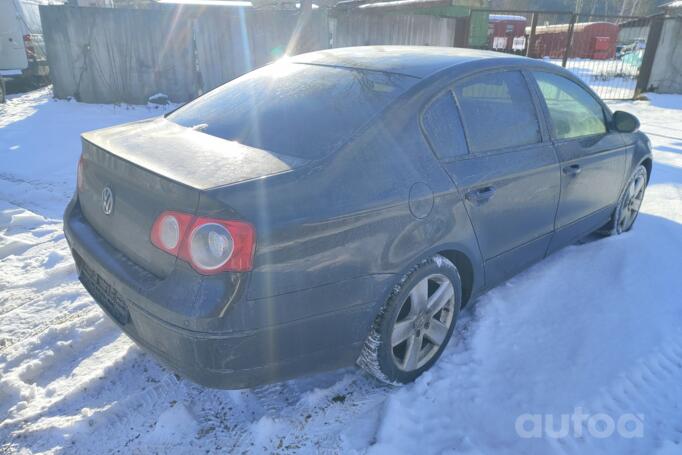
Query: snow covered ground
{"x": 592, "y": 334}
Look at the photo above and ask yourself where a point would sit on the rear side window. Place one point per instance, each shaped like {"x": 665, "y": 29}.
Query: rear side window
{"x": 443, "y": 128}
{"x": 497, "y": 111}
{"x": 299, "y": 110}
{"x": 573, "y": 111}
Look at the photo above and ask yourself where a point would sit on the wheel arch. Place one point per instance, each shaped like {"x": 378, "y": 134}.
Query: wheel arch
{"x": 647, "y": 163}
{"x": 461, "y": 255}
{"x": 466, "y": 271}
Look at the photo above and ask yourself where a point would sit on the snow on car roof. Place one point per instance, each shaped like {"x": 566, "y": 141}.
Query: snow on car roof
{"x": 414, "y": 61}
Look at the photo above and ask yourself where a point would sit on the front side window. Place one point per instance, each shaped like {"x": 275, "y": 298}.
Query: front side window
{"x": 497, "y": 111}
{"x": 444, "y": 129}
{"x": 573, "y": 111}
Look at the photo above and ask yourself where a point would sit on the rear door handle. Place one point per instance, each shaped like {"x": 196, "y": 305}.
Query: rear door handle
{"x": 572, "y": 170}
{"x": 480, "y": 195}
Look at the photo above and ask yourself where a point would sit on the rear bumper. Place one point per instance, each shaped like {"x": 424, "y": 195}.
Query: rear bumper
{"x": 238, "y": 344}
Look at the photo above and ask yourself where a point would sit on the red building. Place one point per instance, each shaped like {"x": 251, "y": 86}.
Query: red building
{"x": 503, "y": 28}
{"x": 592, "y": 40}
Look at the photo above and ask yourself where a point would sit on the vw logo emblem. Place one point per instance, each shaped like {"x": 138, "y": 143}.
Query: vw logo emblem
{"x": 107, "y": 200}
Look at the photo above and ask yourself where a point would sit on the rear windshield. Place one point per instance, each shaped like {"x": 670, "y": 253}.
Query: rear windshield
{"x": 293, "y": 109}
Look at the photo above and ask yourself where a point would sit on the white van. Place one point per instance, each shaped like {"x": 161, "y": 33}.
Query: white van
{"x": 22, "y": 49}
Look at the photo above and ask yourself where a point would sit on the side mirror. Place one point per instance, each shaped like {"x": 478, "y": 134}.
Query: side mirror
{"x": 625, "y": 122}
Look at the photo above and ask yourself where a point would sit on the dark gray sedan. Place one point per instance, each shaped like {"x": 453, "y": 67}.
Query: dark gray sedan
{"x": 342, "y": 206}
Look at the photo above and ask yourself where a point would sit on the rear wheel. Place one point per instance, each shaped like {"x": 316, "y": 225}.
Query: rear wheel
{"x": 415, "y": 324}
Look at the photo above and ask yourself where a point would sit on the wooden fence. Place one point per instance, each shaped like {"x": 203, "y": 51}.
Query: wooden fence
{"x": 106, "y": 55}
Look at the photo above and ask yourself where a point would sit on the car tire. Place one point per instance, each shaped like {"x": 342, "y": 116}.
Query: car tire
{"x": 415, "y": 324}
{"x": 629, "y": 203}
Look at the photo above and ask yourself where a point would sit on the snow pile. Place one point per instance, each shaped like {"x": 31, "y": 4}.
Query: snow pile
{"x": 159, "y": 98}
{"x": 173, "y": 424}
{"x": 591, "y": 334}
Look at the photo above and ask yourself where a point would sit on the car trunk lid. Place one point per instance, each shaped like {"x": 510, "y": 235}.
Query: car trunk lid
{"x": 145, "y": 168}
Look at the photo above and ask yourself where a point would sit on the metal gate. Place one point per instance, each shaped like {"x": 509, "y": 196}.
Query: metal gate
{"x": 612, "y": 54}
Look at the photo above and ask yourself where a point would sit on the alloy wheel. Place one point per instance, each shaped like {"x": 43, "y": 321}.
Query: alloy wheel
{"x": 423, "y": 322}
{"x": 631, "y": 202}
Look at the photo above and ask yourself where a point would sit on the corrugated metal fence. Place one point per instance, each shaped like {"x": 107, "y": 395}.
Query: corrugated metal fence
{"x": 231, "y": 42}
{"x": 350, "y": 28}
{"x": 118, "y": 55}
{"x": 103, "y": 55}
{"x": 666, "y": 73}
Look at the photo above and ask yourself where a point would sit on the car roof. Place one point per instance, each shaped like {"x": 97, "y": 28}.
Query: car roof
{"x": 414, "y": 61}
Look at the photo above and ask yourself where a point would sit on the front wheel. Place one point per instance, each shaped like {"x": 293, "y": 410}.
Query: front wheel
{"x": 629, "y": 203}
{"x": 415, "y": 324}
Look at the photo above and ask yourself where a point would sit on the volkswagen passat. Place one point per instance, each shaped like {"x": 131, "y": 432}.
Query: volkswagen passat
{"x": 340, "y": 207}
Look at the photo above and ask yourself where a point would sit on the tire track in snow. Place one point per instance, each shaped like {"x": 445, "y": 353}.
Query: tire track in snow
{"x": 324, "y": 417}
{"x": 318, "y": 415}
{"x": 31, "y": 317}
{"x": 648, "y": 389}
{"x": 39, "y": 196}
{"x": 11, "y": 302}
{"x": 118, "y": 417}
{"x": 37, "y": 285}
{"x": 28, "y": 374}
{"x": 93, "y": 397}
{"x": 456, "y": 378}
{"x": 308, "y": 415}
{"x": 18, "y": 298}
{"x": 59, "y": 320}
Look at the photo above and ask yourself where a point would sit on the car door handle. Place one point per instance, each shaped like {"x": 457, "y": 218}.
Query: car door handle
{"x": 480, "y": 195}
{"x": 572, "y": 170}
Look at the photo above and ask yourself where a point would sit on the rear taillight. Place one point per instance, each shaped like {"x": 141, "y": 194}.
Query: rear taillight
{"x": 169, "y": 230}
{"x": 209, "y": 245}
{"x": 79, "y": 175}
